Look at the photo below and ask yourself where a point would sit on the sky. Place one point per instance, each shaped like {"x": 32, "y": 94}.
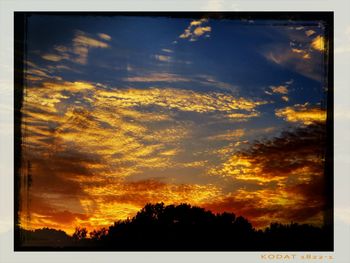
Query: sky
{"x": 122, "y": 111}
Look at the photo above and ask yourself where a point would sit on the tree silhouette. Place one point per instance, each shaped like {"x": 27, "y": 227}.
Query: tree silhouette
{"x": 99, "y": 234}
{"x": 183, "y": 227}
{"x": 80, "y": 233}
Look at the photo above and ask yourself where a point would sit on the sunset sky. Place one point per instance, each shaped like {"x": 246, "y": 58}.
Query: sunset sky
{"x": 122, "y": 111}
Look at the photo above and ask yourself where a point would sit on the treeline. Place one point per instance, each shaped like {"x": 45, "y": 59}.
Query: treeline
{"x": 157, "y": 227}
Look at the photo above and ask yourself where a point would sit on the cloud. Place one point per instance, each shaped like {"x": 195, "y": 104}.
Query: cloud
{"x": 318, "y": 43}
{"x": 167, "y": 50}
{"x": 105, "y": 36}
{"x": 212, "y": 81}
{"x": 162, "y": 58}
{"x": 184, "y": 100}
{"x": 79, "y": 49}
{"x": 198, "y": 22}
{"x": 279, "y": 89}
{"x": 301, "y": 55}
{"x": 67, "y": 146}
{"x": 302, "y": 63}
{"x": 81, "y": 45}
{"x": 309, "y": 32}
{"x": 228, "y": 136}
{"x": 296, "y": 156}
{"x": 302, "y": 203}
{"x": 285, "y": 98}
{"x": 304, "y": 54}
{"x": 158, "y": 77}
{"x": 284, "y": 178}
{"x": 53, "y": 57}
{"x": 303, "y": 113}
{"x": 201, "y": 30}
{"x": 79, "y": 135}
{"x": 196, "y": 30}
{"x": 121, "y": 200}
{"x": 109, "y": 201}
{"x": 201, "y": 79}
{"x": 81, "y": 39}
{"x": 83, "y": 156}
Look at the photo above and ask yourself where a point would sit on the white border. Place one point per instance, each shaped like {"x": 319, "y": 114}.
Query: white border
{"x": 342, "y": 124}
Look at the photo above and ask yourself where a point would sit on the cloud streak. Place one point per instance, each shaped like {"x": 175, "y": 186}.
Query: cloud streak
{"x": 79, "y": 49}
{"x": 302, "y": 113}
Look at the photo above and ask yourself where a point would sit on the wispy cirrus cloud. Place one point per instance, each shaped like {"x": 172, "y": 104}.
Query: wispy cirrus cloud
{"x": 157, "y": 77}
{"x": 302, "y": 55}
{"x": 200, "y": 79}
{"x": 79, "y": 49}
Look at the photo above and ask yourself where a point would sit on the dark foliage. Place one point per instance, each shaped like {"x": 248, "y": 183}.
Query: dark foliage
{"x": 188, "y": 228}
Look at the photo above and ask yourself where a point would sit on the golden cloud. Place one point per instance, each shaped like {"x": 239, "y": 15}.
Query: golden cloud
{"x": 110, "y": 201}
{"x": 302, "y": 203}
{"x": 309, "y": 32}
{"x": 184, "y": 100}
{"x": 201, "y": 30}
{"x": 52, "y": 57}
{"x": 286, "y": 177}
{"x": 285, "y": 98}
{"x": 195, "y": 30}
{"x": 198, "y": 22}
{"x": 279, "y": 89}
{"x": 318, "y": 43}
{"x": 304, "y": 54}
{"x": 296, "y": 156}
{"x": 303, "y": 113}
{"x": 81, "y": 39}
